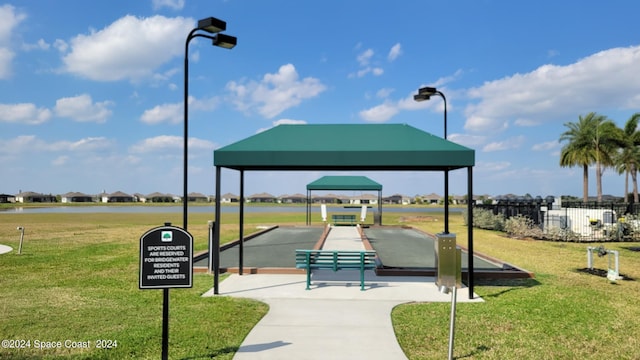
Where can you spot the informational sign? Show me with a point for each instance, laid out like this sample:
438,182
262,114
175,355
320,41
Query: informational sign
166,258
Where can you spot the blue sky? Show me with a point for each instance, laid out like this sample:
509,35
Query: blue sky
91,91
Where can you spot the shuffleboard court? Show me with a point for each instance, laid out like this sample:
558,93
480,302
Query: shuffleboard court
401,251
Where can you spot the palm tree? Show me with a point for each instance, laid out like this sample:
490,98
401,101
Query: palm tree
628,160
608,141
578,151
593,139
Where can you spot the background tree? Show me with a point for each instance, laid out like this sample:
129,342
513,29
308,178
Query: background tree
593,139
628,159
578,150
607,142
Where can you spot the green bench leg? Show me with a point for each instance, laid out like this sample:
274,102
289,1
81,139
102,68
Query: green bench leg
308,272
361,272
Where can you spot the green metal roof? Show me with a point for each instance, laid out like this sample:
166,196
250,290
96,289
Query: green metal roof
344,147
344,183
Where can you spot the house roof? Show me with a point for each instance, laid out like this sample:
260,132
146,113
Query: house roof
344,183
344,147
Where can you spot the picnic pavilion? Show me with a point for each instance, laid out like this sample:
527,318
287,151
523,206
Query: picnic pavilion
341,147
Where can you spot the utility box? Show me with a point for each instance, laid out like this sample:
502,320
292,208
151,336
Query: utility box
448,261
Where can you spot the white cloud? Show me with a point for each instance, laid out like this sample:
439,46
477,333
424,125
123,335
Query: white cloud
171,4
467,140
164,113
60,160
492,167
364,61
61,45
384,93
395,52
289,122
6,56
439,83
24,113
158,143
32,144
389,108
373,70
526,122
83,145
365,57
275,93
174,113
282,122
164,143
545,146
82,108
610,78
511,143
19,145
380,113
39,45
9,19
130,48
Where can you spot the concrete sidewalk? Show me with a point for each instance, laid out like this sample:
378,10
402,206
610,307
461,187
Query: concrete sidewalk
335,319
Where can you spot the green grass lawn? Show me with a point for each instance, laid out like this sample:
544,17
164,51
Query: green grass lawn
77,280
561,314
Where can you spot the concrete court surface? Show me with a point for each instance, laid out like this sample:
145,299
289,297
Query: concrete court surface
335,319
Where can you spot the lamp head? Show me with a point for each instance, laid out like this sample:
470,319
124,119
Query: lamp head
212,25
428,91
420,97
225,41
443,289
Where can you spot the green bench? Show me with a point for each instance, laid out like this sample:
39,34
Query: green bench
335,260
343,219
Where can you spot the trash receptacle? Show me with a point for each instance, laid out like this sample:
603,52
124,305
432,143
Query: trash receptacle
448,261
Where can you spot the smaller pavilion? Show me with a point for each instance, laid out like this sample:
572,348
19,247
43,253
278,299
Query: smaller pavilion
344,183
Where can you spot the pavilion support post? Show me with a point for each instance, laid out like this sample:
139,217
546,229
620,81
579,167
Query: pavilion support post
379,208
308,207
241,221
215,251
470,282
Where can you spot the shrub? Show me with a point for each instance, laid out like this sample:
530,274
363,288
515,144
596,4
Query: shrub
485,219
522,227
560,234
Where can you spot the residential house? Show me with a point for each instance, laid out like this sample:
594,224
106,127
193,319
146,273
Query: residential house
157,197
229,198
6,198
432,199
261,198
197,197
32,197
459,199
117,197
329,199
397,199
364,199
75,197
293,199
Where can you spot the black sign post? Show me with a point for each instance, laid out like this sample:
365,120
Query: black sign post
166,261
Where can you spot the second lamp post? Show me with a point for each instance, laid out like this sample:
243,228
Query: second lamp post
424,94
210,25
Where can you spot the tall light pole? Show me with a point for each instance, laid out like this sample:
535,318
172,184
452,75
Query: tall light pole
424,94
212,26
